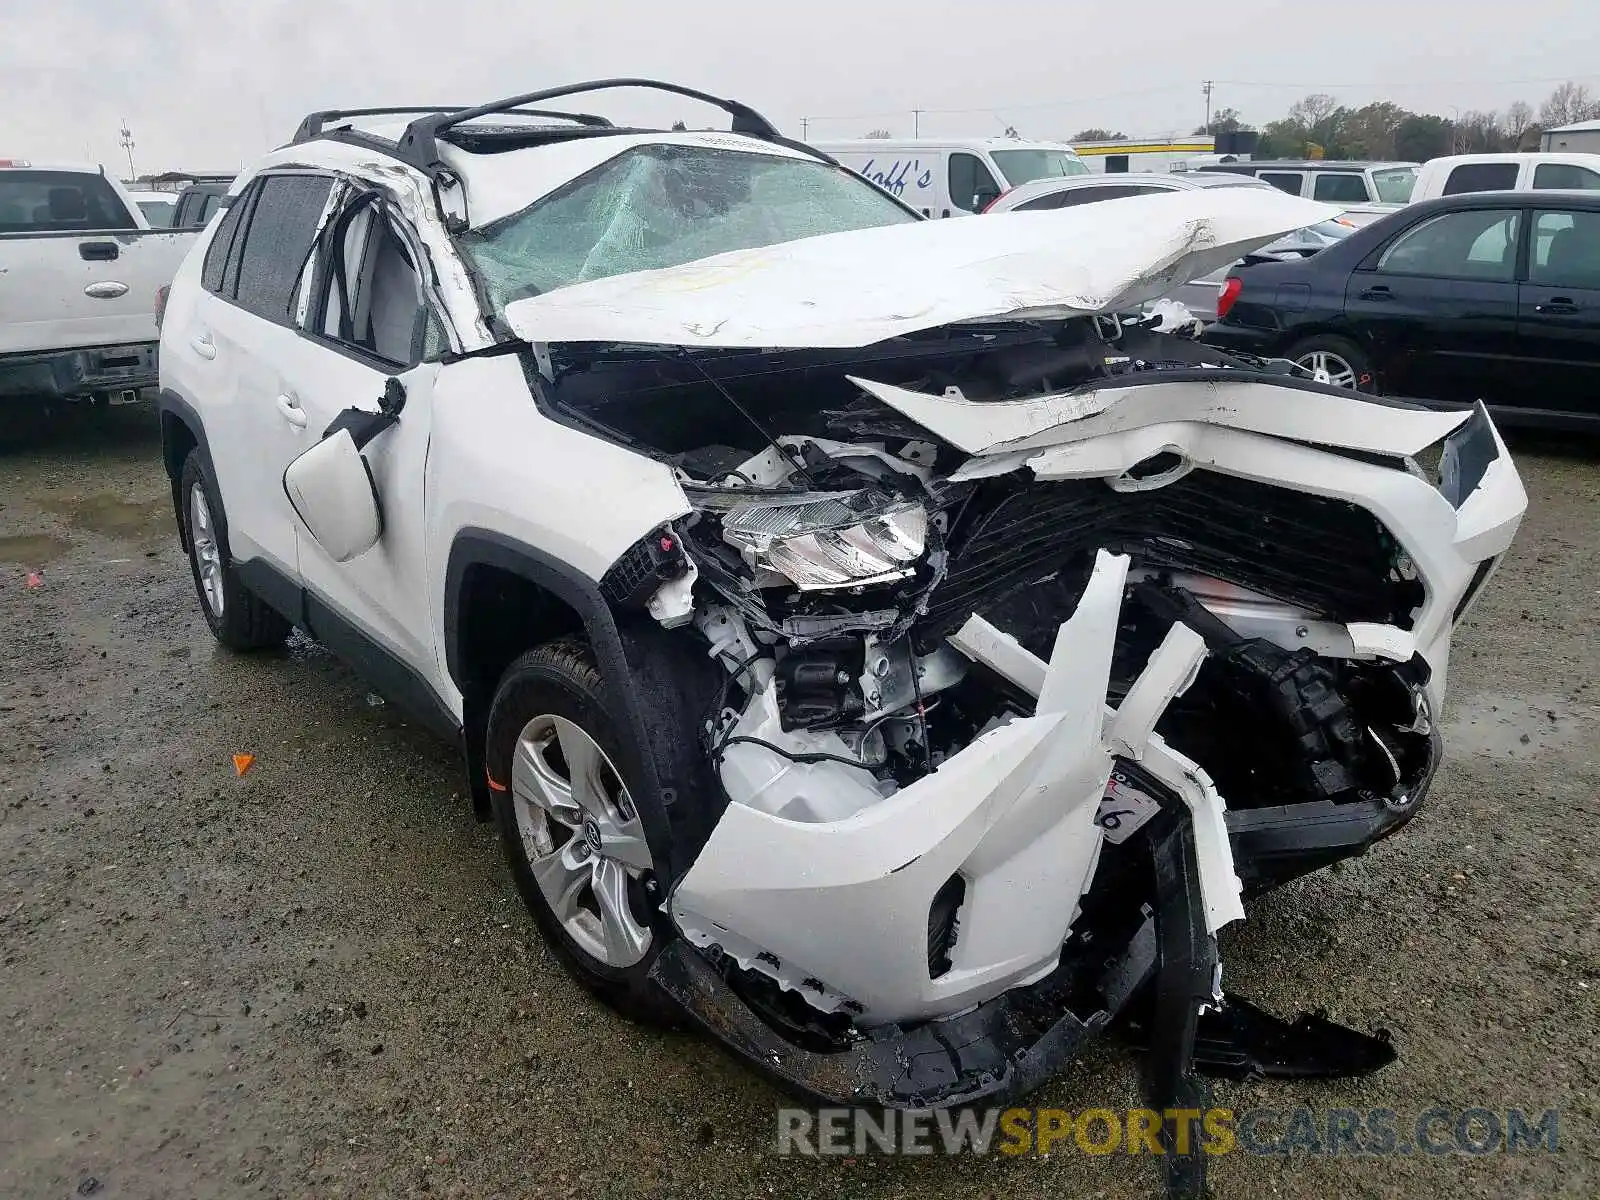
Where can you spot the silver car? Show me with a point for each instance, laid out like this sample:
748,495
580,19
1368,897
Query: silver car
1199,296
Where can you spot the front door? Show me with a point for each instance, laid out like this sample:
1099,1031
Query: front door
368,329
1437,306
1558,314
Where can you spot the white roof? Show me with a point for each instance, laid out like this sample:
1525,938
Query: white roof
1577,127
860,287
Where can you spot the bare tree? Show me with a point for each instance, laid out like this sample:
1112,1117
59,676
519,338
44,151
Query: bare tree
1515,123
679,127
1313,111
1479,132
879,134
1569,103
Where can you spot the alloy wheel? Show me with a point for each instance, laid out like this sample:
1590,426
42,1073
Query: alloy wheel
583,839
207,553
1327,367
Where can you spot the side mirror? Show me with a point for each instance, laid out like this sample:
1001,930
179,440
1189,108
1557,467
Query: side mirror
983,197
332,491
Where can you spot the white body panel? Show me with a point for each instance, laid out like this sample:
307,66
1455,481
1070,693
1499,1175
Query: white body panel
853,289
52,298
1435,175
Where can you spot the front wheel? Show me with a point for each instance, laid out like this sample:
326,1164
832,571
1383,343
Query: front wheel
1340,361
571,831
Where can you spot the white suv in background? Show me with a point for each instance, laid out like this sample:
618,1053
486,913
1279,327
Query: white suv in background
805,582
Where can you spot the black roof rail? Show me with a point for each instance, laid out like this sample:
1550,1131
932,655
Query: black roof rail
315,123
419,144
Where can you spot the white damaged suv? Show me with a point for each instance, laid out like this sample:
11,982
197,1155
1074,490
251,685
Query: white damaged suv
868,644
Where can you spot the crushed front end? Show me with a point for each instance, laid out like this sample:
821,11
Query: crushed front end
1035,656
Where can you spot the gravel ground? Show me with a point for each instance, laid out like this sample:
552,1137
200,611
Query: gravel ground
316,980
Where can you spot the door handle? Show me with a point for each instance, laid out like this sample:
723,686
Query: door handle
203,345
98,251
1557,306
106,289
1377,292
292,412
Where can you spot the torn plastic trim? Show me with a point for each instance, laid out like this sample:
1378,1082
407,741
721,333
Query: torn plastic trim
1254,405
1014,812
1130,732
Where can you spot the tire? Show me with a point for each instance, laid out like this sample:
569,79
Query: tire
609,928
238,618
1327,349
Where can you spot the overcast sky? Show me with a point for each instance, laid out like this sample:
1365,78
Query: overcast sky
210,86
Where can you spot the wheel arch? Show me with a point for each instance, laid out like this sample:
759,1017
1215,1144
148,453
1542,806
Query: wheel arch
501,597
181,433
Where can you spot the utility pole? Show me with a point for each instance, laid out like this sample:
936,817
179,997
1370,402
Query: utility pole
1205,88
126,142
916,122
805,127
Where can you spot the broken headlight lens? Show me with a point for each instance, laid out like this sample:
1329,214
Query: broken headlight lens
828,540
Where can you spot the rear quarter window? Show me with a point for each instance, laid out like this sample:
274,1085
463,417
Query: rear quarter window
1481,177
59,202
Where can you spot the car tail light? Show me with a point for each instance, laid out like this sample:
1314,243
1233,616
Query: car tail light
1231,287
161,303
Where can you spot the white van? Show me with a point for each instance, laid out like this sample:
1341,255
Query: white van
1547,171
946,178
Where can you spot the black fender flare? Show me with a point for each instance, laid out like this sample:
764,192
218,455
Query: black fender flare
629,654
169,404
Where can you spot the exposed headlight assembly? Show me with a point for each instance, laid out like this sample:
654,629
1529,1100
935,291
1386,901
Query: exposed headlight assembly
828,540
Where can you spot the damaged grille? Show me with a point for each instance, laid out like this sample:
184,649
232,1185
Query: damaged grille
1328,556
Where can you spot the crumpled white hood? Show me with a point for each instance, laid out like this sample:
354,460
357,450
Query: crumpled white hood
856,288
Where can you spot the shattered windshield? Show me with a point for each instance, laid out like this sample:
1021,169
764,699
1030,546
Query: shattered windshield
664,205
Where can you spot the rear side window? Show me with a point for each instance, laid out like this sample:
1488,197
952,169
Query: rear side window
1339,188
1481,177
277,242
59,202
1479,244
211,275
1284,181
1566,177
1566,250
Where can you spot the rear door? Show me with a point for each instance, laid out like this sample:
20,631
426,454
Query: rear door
241,333
1339,187
1292,182
1437,305
1558,313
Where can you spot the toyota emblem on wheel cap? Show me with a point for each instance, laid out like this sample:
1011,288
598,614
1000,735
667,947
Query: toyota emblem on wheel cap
591,835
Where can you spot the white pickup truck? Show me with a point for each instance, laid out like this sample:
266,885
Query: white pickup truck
80,269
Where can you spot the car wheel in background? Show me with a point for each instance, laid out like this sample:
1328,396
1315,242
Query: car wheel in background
1344,363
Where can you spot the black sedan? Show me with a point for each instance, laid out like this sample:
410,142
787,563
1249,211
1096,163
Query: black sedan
1492,296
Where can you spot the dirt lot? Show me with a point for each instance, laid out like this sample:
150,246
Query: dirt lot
315,980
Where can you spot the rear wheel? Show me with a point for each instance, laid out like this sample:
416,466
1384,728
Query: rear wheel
237,617
571,831
1342,362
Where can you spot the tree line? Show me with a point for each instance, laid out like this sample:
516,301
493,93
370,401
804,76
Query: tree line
1319,126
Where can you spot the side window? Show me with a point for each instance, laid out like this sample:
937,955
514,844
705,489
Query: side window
1114,191
1049,200
1566,250
970,179
1481,177
218,253
1566,177
277,240
1481,244
1284,181
1338,187
374,299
